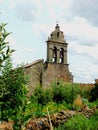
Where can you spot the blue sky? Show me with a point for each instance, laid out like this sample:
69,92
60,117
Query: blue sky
32,21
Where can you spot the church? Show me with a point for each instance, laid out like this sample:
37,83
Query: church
55,68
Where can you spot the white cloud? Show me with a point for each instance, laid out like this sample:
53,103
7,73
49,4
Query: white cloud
80,28
56,8
87,9
29,49
26,11
43,28
84,63
85,74
40,10
1,1
82,49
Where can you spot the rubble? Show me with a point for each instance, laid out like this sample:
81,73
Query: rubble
44,123
56,119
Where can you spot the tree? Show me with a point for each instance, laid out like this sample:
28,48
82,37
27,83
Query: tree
5,51
13,89
12,81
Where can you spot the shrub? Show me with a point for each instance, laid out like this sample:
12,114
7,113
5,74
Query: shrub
58,92
93,122
41,95
78,122
52,107
23,112
94,93
65,92
77,104
11,90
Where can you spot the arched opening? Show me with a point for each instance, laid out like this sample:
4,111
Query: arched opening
54,54
57,34
61,55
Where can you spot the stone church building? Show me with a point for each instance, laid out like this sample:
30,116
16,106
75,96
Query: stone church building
55,68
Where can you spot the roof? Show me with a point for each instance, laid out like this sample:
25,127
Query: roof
33,63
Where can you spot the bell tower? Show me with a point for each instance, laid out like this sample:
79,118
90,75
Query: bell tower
57,47
56,66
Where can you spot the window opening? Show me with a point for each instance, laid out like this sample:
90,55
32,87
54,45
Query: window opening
61,55
57,34
54,54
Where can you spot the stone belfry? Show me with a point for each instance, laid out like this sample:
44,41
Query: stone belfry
57,47
55,68
56,63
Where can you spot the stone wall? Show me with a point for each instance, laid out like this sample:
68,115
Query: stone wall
34,72
40,73
56,72
54,120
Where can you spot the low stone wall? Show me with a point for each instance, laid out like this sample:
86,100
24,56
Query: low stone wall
56,119
49,121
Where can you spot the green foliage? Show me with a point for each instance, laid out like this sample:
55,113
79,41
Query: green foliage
14,103
12,81
94,121
41,96
65,92
94,93
52,107
40,110
58,93
13,100
92,104
23,112
5,51
80,122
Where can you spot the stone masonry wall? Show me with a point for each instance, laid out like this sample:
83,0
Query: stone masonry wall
34,73
56,72
40,73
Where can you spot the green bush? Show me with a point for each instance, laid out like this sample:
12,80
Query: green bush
92,104
80,122
41,96
13,90
65,92
51,106
58,92
94,93
94,121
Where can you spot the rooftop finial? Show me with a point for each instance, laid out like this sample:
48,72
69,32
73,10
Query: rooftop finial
57,25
